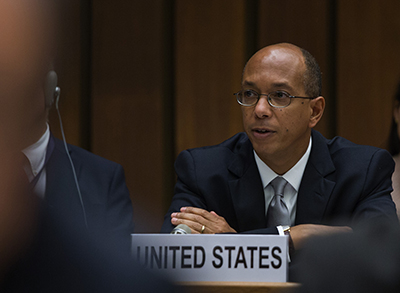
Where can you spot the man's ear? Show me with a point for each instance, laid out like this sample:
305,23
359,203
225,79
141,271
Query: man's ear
396,112
317,107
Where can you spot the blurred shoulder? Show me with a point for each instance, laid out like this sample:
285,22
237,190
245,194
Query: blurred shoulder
84,156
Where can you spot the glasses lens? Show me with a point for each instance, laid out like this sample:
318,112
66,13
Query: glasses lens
279,99
247,97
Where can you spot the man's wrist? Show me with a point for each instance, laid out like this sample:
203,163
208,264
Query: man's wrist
286,231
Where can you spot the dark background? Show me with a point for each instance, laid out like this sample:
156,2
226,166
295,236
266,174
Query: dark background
143,80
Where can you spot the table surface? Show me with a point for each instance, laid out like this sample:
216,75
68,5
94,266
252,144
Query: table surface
239,287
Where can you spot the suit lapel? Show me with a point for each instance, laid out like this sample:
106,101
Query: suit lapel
246,189
316,187
61,191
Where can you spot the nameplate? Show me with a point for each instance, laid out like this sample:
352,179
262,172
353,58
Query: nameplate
191,258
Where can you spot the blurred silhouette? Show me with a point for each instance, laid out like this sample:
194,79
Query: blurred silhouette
42,249
393,146
92,188
19,24
367,260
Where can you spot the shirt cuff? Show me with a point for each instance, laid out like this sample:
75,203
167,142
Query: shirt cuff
280,230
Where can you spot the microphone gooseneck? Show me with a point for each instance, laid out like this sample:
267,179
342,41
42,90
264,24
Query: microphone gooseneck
57,96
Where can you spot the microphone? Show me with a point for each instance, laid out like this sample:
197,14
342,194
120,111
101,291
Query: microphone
57,97
181,229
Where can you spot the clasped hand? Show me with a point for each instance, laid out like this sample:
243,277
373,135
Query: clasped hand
196,218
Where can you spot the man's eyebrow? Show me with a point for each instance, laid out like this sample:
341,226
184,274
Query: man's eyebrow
277,85
248,83
280,84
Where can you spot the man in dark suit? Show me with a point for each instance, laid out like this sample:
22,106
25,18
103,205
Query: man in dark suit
90,189
28,89
330,185
45,245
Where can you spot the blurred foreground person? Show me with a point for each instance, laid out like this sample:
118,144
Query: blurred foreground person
366,261
44,249
393,147
68,178
18,211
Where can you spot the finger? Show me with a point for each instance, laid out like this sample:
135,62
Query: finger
188,216
198,229
193,210
194,227
193,221
197,211
203,218
203,229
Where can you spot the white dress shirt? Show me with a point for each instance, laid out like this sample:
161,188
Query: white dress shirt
293,177
36,154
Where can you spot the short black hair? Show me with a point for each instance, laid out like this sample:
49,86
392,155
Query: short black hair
312,79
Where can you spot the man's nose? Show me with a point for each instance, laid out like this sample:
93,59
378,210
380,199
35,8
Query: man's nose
263,108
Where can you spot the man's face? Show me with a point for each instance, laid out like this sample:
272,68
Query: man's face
24,53
280,136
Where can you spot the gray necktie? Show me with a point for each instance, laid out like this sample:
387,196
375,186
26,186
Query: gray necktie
278,213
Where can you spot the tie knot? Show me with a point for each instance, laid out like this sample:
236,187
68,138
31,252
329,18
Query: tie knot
279,184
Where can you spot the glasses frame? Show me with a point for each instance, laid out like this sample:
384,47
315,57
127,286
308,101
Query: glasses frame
269,99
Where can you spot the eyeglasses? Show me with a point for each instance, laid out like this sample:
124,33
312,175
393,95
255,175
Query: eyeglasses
277,99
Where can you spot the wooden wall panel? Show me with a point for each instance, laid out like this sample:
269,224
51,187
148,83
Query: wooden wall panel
368,68
307,24
209,58
143,80
68,65
128,110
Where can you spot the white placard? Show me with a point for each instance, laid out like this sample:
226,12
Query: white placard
227,257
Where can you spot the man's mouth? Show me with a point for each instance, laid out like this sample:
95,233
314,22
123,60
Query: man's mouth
262,130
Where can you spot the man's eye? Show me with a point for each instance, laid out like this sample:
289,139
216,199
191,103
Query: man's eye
250,94
280,95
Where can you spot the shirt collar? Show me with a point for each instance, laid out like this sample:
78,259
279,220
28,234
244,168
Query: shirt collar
36,153
293,176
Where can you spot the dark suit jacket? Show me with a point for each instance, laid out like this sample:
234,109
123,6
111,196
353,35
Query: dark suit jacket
343,183
105,195
63,257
